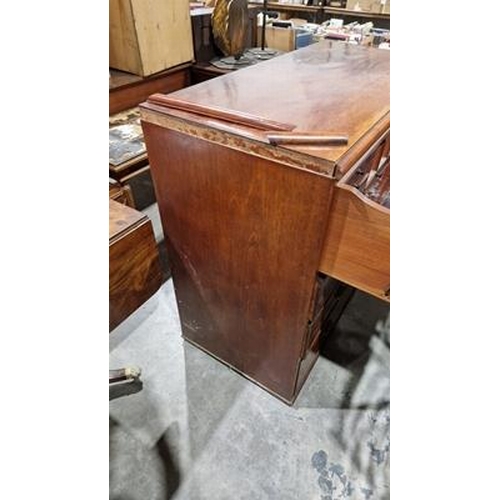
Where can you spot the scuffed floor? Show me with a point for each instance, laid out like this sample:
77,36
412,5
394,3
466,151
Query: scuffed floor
195,430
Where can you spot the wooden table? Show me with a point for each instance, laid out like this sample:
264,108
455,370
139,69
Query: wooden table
134,266
261,231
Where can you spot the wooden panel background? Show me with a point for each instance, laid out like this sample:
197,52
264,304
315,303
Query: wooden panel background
124,50
148,36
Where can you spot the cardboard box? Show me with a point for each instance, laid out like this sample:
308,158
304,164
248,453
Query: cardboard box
278,38
149,37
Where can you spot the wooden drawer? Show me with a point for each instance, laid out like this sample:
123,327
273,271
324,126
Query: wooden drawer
134,266
357,243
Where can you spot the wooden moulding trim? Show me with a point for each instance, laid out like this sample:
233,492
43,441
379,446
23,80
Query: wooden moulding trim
383,294
233,137
218,113
311,138
131,228
358,150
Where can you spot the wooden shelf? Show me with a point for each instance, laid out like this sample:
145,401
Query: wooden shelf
356,13
311,12
322,13
290,6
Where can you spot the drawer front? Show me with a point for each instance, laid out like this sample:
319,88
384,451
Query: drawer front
357,243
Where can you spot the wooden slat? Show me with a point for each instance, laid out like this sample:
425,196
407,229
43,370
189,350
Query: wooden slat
219,113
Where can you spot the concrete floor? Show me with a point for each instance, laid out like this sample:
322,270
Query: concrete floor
196,430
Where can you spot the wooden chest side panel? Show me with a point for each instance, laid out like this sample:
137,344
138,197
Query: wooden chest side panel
244,236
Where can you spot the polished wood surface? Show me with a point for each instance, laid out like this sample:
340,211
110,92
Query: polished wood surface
339,88
134,267
251,226
235,278
205,111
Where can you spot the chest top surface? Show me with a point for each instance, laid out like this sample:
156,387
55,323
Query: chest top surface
328,86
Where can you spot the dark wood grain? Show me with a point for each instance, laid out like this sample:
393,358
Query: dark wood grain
134,267
243,286
250,226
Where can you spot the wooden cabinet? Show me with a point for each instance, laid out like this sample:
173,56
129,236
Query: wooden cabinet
149,37
250,223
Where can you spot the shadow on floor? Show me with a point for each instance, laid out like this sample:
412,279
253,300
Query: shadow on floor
361,344
350,345
142,470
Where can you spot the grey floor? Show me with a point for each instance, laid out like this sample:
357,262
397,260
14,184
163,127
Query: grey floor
196,430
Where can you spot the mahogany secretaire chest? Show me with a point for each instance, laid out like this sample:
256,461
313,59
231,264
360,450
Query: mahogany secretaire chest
271,181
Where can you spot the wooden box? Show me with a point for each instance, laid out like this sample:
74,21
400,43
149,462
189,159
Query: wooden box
146,37
278,38
252,226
